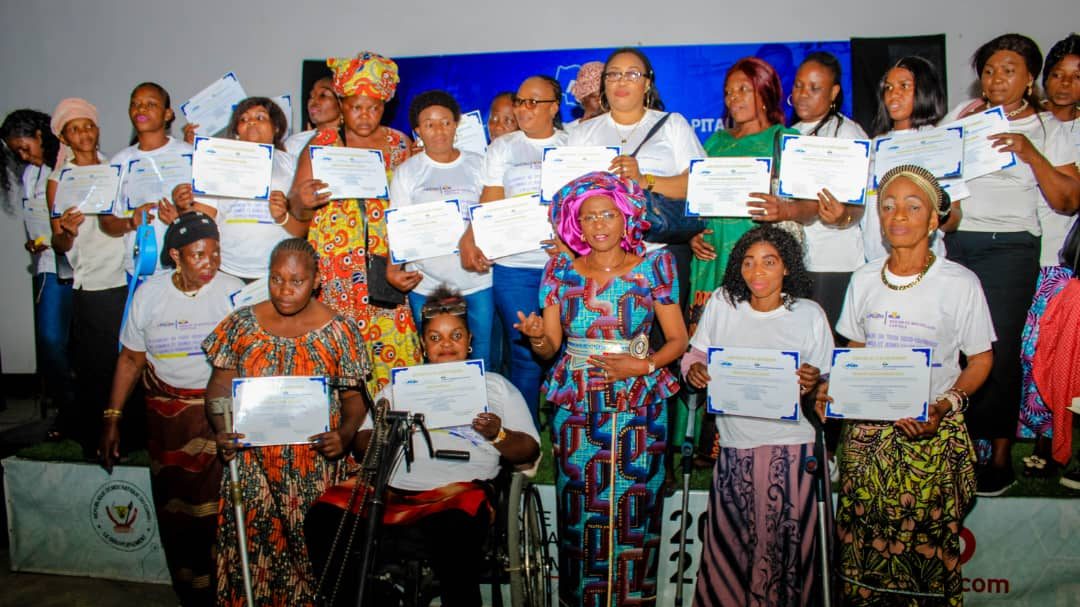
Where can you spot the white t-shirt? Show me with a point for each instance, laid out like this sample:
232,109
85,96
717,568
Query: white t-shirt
804,328
122,158
874,244
504,400
97,259
946,311
512,162
34,181
1008,200
1055,226
169,326
248,231
294,144
829,248
421,179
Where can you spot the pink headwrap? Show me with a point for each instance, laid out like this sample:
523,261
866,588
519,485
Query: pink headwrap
587,81
67,110
627,196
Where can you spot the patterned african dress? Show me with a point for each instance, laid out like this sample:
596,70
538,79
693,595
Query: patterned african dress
899,513
279,482
608,441
706,276
1035,417
337,233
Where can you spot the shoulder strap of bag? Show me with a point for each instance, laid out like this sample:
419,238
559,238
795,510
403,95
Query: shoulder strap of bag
652,131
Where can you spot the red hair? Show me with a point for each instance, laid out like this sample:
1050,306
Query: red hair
766,84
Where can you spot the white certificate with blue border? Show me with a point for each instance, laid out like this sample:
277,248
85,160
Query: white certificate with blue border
252,293
470,135
151,178
939,150
90,189
280,410
448,394
509,226
285,103
980,155
721,187
425,230
565,163
231,168
753,382
880,384
212,107
350,172
810,164
36,218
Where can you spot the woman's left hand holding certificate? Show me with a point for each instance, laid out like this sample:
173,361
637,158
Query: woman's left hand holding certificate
350,172
232,169
91,190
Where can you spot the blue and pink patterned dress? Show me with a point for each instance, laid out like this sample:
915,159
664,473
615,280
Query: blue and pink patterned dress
608,441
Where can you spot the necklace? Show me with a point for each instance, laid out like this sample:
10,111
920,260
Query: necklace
623,138
589,260
176,283
1023,106
884,280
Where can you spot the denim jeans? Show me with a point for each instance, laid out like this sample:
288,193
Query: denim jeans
480,313
518,289
52,325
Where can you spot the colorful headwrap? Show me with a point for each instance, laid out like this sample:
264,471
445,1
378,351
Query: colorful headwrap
189,227
924,180
587,81
627,196
67,110
369,74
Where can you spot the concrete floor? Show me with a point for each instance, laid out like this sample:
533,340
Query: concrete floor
26,589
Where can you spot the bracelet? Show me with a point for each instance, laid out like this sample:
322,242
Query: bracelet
847,220
283,221
537,343
111,413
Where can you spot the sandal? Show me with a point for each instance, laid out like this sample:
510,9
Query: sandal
1038,467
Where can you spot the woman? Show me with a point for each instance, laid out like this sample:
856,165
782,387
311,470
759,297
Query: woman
324,112
760,483
608,388
998,237
250,229
151,114
447,500
905,486
911,97
586,91
1061,79
291,334
30,135
346,232
833,239
512,168
501,119
170,316
443,172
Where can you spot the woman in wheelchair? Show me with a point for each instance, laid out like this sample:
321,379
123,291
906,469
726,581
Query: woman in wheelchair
446,500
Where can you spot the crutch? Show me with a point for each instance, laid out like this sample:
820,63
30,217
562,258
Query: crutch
687,452
238,508
818,465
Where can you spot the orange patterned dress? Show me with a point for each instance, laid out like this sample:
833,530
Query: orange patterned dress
337,233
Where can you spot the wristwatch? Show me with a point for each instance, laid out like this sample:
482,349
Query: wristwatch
650,181
500,437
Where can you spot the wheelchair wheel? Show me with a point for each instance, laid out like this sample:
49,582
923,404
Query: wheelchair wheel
530,564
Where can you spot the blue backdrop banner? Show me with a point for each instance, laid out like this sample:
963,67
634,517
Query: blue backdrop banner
690,78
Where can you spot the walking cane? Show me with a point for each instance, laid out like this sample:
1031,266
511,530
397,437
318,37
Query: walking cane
687,452
237,498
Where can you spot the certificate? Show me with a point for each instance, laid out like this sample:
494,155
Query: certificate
470,135
883,384
212,107
421,231
563,164
448,394
36,217
285,103
350,172
956,188
231,168
940,151
252,293
513,225
90,189
980,156
721,187
811,164
280,410
754,382
151,178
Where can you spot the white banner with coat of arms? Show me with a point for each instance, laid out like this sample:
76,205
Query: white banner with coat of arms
76,519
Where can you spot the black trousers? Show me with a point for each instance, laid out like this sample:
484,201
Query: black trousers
1007,264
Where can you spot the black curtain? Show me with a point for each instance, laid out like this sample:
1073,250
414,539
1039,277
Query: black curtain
872,57
316,69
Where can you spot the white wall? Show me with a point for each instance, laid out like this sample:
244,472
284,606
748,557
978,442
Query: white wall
99,49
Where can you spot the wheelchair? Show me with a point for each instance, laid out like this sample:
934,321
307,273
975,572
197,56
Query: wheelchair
515,552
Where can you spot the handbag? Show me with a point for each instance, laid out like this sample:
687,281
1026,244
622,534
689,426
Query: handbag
668,222
381,293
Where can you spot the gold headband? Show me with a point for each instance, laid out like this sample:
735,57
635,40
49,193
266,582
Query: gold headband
923,179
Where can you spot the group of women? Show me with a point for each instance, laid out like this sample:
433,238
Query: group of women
601,321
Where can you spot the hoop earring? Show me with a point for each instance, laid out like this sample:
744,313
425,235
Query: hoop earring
470,349
790,104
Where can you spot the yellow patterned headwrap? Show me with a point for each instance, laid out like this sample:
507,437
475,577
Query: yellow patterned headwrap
369,74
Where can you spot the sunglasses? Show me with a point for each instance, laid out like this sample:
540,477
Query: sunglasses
529,103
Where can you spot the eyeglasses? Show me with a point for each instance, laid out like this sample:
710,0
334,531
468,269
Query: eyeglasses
629,76
455,308
605,216
530,103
